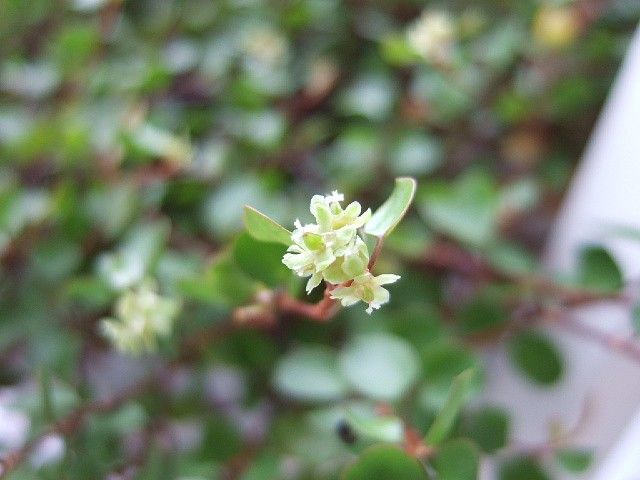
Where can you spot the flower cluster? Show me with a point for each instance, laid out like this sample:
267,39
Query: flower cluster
331,250
432,36
142,315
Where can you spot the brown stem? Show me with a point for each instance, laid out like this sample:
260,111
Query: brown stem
376,253
622,345
320,312
556,441
448,256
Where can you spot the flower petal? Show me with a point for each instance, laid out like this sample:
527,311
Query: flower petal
386,278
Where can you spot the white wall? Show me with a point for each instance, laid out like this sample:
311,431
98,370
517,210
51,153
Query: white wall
605,192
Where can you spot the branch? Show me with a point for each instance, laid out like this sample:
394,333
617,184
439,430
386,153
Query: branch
376,253
448,256
623,345
322,311
69,424
558,438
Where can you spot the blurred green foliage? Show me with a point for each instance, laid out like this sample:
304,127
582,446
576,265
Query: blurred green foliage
132,133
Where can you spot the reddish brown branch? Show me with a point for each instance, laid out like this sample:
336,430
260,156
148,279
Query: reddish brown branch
448,256
376,253
322,311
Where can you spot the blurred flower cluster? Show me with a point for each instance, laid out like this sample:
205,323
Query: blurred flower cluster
142,316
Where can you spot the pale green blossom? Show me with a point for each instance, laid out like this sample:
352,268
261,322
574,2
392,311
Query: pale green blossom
331,216
265,45
141,317
432,36
366,288
331,250
319,250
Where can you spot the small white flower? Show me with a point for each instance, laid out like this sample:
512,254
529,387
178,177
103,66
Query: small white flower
265,45
142,315
366,288
319,250
331,216
351,264
334,197
432,35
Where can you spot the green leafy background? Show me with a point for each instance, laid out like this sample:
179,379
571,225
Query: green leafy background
132,133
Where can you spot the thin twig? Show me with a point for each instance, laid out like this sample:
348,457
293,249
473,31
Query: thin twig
72,422
322,311
623,345
376,253
558,439
448,256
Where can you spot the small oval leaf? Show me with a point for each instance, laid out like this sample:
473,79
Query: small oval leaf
599,270
574,460
380,366
489,428
457,460
380,428
384,462
261,262
264,228
309,374
385,219
521,468
536,357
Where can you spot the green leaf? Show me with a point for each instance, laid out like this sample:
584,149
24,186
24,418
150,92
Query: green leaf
536,357
484,313
457,460
264,228
415,153
575,461
511,259
385,219
489,428
380,365
635,319
467,210
371,95
446,418
522,468
309,374
380,428
395,49
262,262
383,462
264,467
599,271
442,362
221,439
410,239
222,283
